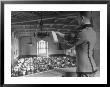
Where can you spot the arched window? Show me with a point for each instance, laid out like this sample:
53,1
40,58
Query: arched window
42,48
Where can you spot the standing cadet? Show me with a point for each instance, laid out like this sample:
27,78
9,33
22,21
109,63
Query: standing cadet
86,66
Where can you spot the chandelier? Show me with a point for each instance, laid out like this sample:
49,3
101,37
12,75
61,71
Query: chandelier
41,33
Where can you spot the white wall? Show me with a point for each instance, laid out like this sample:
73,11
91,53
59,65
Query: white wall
25,49
14,48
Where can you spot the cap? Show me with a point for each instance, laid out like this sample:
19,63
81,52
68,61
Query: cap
85,20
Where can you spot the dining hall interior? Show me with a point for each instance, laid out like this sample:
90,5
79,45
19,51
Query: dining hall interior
43,43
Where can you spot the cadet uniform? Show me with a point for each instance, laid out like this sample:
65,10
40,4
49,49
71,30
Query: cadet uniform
84,50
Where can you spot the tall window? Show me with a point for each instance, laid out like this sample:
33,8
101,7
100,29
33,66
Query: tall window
42,48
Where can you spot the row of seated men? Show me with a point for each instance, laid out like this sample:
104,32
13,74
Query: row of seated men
34,64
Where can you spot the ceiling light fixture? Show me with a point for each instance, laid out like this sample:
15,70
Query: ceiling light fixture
42,34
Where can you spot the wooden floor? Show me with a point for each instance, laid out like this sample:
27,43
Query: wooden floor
57,73
52,73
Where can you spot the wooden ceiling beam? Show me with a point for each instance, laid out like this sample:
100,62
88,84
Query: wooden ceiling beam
58,18
35,26
46,29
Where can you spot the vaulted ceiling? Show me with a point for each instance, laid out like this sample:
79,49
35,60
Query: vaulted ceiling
30,21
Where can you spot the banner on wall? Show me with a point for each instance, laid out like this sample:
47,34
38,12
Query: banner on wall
54,36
